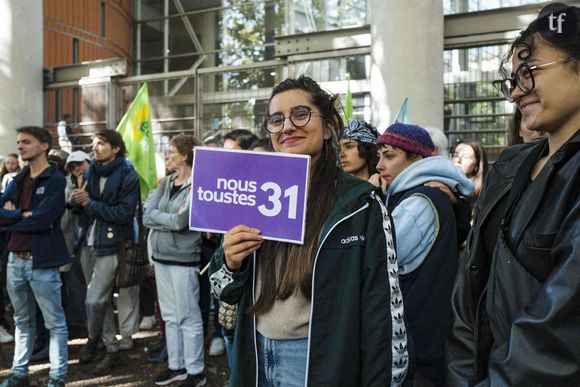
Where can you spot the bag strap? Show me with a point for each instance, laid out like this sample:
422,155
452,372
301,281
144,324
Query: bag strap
140,231
141,236
77,246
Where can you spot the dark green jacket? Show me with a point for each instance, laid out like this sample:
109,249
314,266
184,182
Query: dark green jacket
356,332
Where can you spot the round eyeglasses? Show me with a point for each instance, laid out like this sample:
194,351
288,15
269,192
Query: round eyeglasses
523,79
299,117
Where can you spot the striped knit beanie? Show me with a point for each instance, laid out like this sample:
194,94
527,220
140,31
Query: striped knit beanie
411,138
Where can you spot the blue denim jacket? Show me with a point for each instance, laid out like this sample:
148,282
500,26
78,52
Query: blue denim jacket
113,219
47,205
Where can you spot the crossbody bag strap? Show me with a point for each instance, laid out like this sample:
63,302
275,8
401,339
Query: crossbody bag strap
141,236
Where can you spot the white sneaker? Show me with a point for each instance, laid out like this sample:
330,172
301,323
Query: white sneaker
147,322
126,344
217,346
5,336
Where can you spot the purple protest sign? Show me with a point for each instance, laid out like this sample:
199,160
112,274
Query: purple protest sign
259,189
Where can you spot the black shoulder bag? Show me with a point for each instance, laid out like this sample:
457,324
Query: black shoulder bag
132,257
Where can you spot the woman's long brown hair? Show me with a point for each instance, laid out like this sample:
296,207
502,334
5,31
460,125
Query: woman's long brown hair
295,269
4,170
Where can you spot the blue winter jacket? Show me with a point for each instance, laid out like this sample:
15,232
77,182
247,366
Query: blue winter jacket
47,206
113,217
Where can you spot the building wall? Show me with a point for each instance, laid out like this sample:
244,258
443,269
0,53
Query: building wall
102,28
77,31
20,68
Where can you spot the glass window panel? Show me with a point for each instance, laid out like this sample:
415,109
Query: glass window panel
474,108
152,40
219,119
304,16
152,8
461,6
243,80
336,69
236,32
151,66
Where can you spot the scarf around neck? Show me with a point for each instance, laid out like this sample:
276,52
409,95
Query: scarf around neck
98,170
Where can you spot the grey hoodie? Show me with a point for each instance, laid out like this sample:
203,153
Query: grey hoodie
434,168
170,238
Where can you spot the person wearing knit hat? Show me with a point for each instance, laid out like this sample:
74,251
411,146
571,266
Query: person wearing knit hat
411,138
358,154
425,240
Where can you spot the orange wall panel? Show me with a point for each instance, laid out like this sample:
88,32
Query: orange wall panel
65,20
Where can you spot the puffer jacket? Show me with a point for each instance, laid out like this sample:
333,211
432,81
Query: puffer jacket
356,332
517,311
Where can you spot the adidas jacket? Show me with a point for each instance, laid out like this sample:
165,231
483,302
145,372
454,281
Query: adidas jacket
356,334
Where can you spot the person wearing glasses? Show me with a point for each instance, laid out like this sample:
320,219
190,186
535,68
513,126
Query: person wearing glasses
328,312
176,255
517,299
470,156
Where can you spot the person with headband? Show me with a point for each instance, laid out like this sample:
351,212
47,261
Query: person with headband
358,154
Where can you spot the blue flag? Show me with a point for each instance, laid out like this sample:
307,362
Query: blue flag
403,115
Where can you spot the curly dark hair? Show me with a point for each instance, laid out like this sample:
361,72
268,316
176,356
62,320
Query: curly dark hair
528,39
368,152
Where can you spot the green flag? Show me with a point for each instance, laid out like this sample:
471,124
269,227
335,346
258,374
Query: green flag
348,102
135,127
403,115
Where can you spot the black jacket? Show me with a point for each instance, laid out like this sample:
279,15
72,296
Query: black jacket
355,337
427,289
517,311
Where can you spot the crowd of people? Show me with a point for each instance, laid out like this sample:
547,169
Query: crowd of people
421,264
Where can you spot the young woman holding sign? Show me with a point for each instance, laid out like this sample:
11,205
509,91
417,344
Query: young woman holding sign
329,312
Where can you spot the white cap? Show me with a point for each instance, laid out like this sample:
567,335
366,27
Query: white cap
77,157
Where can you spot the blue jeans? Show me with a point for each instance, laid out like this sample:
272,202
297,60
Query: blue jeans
228,336
26,285
281,362
178,294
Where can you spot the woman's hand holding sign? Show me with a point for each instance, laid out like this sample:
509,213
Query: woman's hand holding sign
239,242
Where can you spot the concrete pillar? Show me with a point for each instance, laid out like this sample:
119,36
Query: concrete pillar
407,60
21,38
